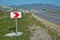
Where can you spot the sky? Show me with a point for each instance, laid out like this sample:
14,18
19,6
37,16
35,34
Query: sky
21,2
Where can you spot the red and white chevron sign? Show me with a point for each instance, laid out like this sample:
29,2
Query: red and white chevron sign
15,14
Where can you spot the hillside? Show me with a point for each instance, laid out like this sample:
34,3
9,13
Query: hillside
23,26
28,25
38,7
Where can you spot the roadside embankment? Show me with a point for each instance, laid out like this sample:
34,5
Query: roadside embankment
53,29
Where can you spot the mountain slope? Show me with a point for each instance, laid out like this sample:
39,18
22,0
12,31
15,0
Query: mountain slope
38,7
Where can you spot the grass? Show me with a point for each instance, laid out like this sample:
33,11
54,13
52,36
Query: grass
23,26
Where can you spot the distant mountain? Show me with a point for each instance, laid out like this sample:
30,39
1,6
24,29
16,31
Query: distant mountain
38,7
5,8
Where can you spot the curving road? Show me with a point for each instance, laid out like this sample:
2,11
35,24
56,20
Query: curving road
50,17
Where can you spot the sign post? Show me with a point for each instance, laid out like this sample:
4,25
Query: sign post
15,15
16,27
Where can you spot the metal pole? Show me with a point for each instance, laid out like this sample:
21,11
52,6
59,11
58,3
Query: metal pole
16,26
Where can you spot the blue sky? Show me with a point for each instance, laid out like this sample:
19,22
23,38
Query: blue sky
20,2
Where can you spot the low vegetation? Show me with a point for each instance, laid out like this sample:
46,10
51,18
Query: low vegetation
7,23
23,26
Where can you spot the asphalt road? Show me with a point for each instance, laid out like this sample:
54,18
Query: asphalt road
53,18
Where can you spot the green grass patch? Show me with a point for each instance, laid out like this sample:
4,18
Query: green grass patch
23,26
